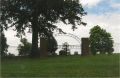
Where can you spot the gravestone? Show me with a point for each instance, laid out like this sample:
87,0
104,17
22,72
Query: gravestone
43,47
85,47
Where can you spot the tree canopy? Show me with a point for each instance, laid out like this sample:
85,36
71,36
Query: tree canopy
40,15
21,13
100,41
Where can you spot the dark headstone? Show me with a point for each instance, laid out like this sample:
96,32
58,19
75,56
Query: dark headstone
43,47
85,47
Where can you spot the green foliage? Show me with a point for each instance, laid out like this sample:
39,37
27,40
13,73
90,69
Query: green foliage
3,45
100,41
24,48
100,66
19,13
62,52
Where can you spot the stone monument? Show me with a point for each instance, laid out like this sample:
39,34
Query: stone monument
43,47
85,47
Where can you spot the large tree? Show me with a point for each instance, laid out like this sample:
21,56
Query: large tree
100,41
39,15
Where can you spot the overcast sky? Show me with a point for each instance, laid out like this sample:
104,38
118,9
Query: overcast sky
105,13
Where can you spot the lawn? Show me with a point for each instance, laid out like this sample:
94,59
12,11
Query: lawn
62,66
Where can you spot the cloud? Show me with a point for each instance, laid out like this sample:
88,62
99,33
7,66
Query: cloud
12,40
115,5
109,21
101,6
90,2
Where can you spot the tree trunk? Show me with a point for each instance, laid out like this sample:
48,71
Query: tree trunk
34,49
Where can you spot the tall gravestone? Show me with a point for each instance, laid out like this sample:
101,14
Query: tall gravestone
85,47
43,47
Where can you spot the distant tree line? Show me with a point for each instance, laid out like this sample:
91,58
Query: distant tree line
100,42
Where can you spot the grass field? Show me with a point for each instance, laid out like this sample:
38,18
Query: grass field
62,66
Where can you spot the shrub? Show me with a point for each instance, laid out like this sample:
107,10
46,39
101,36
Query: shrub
62,52
10,55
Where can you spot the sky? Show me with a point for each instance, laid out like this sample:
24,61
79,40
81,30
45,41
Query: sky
105,13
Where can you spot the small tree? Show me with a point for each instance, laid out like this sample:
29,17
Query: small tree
100,41
65,49
24,48
3,45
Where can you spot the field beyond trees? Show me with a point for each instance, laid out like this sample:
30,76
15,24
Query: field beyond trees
62,66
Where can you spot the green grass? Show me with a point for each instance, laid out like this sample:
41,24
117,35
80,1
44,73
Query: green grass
62,66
